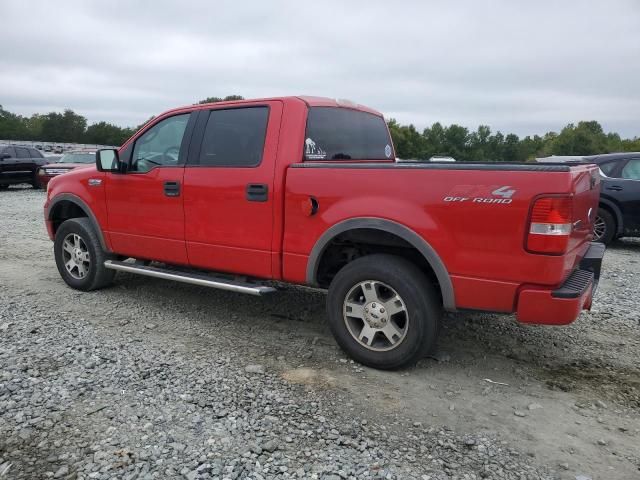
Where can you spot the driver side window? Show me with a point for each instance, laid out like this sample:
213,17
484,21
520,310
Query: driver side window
160,145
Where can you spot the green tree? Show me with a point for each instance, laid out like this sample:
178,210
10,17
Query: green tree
586,138
228,98
12,126
103,133
512,152
63,127
456,142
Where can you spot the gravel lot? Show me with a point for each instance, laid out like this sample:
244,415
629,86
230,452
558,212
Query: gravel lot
152,379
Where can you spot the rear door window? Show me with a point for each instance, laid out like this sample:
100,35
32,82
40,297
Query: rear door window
22,152
234,137
631,170
345,134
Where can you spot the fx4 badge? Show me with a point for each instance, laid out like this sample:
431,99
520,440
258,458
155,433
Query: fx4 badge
481,194
503,192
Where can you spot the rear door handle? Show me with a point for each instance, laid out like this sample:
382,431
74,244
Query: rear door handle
172,189
615,188
257,192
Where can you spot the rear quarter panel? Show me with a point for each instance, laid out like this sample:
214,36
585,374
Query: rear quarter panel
481,244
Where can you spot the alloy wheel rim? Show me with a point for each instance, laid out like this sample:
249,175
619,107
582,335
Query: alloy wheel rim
599,228
375,315
75,255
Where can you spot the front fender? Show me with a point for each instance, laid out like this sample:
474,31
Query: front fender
53,210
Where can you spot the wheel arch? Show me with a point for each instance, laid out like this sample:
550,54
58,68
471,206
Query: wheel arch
615,211
66,206
418,243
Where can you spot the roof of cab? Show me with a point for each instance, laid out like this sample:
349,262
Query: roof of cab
311,101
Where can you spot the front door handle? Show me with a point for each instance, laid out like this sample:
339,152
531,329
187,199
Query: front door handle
615,188
172,189
257,192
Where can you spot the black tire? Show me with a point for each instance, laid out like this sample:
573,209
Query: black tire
96,276
421,302
35,183
609,223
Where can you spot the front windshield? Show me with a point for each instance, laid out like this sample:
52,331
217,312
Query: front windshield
78,158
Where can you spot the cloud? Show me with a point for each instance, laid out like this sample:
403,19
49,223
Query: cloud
524,68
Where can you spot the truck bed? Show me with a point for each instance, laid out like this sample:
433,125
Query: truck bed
481,243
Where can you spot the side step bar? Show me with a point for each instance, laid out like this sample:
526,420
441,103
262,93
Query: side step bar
193,278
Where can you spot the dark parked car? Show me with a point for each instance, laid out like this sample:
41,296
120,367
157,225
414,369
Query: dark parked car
619,209
20,165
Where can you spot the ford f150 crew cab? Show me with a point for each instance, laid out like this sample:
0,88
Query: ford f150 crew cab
306,190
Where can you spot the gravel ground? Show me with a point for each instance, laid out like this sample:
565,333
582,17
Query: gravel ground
152,379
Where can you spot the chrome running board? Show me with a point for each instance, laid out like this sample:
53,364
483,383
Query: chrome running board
192,278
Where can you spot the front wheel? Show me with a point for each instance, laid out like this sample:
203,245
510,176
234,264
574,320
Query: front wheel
383,311
79,256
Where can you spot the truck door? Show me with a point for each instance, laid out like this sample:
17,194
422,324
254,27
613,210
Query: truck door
228,188
13,168
145,204
23,166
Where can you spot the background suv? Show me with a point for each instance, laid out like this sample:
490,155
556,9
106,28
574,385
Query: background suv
19,164
619,208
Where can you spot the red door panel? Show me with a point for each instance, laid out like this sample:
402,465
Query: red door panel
143,221
224,230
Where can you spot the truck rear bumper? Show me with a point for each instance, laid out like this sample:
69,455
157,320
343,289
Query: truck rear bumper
563,305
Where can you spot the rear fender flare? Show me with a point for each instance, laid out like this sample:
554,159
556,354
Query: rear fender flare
419,243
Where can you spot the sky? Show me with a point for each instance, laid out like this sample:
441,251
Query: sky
521,67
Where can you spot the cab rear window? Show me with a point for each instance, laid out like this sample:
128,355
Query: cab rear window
345,134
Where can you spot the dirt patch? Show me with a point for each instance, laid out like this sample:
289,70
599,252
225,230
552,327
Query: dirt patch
309,377
620,386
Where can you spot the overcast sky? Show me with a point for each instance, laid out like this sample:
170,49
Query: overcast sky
518,67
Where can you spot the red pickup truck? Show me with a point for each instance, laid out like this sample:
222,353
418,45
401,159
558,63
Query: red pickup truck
307,190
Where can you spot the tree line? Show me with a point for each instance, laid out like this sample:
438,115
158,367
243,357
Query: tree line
583,138
481,145
66,127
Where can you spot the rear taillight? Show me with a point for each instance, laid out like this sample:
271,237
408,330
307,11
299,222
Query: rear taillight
550,225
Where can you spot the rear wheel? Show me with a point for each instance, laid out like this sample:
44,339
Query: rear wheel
604,227
383,311
79,256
